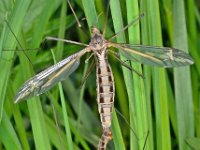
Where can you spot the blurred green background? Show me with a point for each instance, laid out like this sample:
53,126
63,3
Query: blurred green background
160,112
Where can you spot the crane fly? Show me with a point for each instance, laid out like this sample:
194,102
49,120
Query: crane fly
99,47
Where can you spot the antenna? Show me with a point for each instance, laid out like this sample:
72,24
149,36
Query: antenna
18,41
127,26
78,22
105,24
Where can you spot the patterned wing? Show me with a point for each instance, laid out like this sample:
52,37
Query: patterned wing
155,56
46,79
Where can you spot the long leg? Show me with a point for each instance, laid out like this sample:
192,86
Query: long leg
126,65
89,71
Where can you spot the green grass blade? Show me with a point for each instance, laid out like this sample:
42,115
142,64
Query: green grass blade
193,143
183,89
53,134
59,54
90,12
164,106
61,33
139,104
159,80
118,140
193,49
145,33
15,20
20,127
65,115
66,120
8,136
118,25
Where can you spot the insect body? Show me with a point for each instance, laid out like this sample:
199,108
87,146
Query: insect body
105,86
150,55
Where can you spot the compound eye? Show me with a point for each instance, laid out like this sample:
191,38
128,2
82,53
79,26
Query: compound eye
98,42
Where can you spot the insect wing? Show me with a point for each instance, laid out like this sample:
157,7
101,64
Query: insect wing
155,56
46,79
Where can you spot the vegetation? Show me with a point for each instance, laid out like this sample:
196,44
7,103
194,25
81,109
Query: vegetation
160,112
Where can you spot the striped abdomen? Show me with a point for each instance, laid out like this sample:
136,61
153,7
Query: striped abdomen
105,92
105,99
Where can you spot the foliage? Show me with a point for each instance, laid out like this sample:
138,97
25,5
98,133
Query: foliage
161,111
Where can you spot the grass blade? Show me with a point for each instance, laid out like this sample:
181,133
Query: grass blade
159,79
118,25
168,114
7,134
138,104
15,21
183,89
